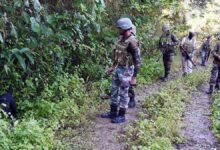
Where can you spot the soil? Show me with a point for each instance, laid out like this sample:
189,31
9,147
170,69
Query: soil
109,136
196,122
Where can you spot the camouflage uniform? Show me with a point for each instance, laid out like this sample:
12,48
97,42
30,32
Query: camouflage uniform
189,46
205,50
215,73
126,61
125,56
166,44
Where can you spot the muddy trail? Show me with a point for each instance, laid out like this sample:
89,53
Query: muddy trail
196,129
196,123
111,136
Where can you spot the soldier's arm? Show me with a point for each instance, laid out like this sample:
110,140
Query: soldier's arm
202,47
135,51
215,50
160,43
175,40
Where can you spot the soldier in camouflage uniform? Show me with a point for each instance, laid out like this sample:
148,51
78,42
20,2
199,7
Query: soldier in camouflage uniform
126,63
215,73
188,45
205,50
167,43
131,93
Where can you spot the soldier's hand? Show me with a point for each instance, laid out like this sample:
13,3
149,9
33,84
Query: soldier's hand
133,81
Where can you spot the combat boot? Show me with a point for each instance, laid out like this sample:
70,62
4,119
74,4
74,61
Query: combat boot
165,78
217,87
131,103
211,89
121,116
112,114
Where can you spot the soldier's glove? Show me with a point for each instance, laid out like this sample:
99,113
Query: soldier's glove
133,81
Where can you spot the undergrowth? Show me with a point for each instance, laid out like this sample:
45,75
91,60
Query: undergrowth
160,122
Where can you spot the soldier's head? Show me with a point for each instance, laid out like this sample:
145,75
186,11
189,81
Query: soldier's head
209,37
125,26
191,34
166,28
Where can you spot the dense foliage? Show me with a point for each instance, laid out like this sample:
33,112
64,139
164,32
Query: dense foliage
54,53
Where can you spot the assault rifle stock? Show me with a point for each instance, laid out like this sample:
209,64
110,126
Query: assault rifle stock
184,52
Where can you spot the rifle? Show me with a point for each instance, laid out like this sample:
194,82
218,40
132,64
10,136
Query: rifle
207,59
160,56
187,56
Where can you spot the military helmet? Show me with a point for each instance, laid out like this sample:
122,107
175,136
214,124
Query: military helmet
124,23
208,36
165,28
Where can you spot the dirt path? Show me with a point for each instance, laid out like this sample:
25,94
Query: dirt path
110,136
197,124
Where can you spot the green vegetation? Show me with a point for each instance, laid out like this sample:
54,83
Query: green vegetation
160,122
215,115
55,53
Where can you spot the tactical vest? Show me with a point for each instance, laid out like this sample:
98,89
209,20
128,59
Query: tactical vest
217,51
207,46
121,55
166,40
189,45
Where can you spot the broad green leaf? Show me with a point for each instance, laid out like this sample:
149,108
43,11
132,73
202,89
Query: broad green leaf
1,38
23,50
26,17
50,19
37,6
35,26
30,57
13,32
7,69
21,61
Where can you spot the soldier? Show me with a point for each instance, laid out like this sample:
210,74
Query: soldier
131,93
188,49
205,50
167,43
126,63
215,73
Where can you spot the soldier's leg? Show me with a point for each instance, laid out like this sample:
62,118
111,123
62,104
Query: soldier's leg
203,58
164,65
206,58
169,64
213,78
184,64
123,98
131,94
114,98
218,80
189,66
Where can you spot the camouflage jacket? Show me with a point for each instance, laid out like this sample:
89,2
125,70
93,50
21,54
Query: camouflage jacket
216,53
206,46
167,43
127,52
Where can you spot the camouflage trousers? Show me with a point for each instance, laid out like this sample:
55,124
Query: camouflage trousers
167,62
187,66
215,75
204,56
120,85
